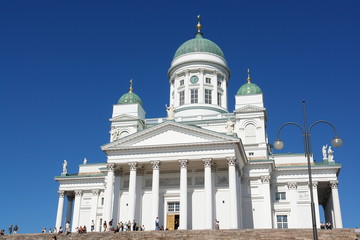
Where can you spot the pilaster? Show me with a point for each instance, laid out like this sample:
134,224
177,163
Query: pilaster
60,209
234,224
183,194
208,193
336,204
155,191
77,204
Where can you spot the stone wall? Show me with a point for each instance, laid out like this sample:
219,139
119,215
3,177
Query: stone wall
243,234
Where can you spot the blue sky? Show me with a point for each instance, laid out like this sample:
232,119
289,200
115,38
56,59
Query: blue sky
63,64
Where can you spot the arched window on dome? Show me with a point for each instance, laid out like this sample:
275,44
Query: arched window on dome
250,134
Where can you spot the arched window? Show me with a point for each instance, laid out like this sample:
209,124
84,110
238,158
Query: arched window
123,134
250,134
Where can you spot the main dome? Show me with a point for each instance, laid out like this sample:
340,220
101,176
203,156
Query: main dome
199,44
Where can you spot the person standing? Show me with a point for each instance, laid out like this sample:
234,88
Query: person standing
10,229
16,228
67,228
92,225
157,226
105,226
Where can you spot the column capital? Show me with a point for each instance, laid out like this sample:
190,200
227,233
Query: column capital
183,163
207,162
110,166
133,166
61,193
78,193
231,161
95,192
265,179
334,184
155,164
292,185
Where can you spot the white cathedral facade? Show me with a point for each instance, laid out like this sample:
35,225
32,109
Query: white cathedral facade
200,164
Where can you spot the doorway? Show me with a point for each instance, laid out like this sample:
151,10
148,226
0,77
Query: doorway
172,222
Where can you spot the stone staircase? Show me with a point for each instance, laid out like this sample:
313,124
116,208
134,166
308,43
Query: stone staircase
245,234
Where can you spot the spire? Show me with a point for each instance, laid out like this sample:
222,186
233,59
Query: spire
248,78
131,88
198,26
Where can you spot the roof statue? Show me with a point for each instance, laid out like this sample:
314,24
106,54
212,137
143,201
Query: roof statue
64,171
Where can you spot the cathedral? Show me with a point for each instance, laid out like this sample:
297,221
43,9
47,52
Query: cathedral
201,167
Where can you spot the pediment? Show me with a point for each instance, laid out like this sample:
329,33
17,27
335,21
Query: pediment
169,134
124,118
249,109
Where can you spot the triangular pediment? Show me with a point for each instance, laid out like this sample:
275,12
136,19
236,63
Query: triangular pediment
249,109
124,117
168,134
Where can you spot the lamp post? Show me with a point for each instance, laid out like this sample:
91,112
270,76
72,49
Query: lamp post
336,142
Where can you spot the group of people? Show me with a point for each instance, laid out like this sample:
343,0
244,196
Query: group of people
326,225
12,230
123,226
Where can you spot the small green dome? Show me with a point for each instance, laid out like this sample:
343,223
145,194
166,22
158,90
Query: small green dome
199,44
249,89
129,98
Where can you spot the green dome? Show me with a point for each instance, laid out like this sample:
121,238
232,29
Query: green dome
199,44
249,89
129,98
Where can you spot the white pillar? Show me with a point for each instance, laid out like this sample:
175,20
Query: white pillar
292,198
267,213
208,193
116,200
94,203
155,192
337,220
233,193
109,192
132,190
316,203
69,211
60,209
183,194
76,215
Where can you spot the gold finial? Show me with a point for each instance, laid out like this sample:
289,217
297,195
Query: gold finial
248,79
198,26
131,83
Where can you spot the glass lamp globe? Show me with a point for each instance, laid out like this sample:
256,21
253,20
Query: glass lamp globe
278,144
336,142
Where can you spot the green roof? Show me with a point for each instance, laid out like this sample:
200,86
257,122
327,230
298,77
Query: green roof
129,98
249,89
199,44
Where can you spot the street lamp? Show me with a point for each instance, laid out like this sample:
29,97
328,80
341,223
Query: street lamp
336,142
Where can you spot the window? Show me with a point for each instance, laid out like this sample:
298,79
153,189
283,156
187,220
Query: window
207,80
208,96
251,153
282,221
181,98
182,82
219,99
280,196
173,206
250,134
194,95
102,201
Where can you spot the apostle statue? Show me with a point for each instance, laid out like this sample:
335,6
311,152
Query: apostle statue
324,152
170,111
330,154
64,171
85,161
114,134
229,127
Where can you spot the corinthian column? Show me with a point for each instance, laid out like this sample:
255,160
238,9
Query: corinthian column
132,189
155,191
208,193
336,204
94,203
233,193
183,194
60,209
77,204
109,192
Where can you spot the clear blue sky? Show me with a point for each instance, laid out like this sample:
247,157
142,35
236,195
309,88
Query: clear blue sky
63,64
